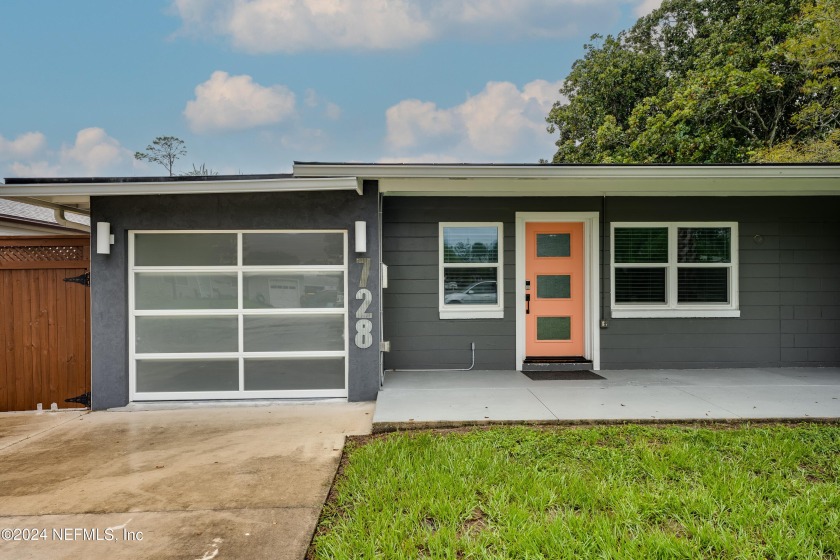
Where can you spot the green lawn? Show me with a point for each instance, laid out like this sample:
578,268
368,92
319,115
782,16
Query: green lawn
599,492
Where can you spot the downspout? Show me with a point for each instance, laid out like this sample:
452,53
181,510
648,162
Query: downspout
604,291
381,289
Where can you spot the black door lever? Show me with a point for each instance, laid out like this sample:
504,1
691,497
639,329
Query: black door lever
527,304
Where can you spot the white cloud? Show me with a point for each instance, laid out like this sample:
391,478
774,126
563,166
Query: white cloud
93,152
423,158
332,111
35,169
24,146
226,102
312,100
646,6
500,123
263,26
411,120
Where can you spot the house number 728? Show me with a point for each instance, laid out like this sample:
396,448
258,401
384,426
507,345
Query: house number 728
364,326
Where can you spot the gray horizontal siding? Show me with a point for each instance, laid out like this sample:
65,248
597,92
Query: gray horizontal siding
789,287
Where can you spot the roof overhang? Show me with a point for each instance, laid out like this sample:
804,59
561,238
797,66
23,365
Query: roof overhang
588,180
77,194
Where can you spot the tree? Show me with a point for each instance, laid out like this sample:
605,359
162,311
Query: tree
703,81
816,47
202,171
164,150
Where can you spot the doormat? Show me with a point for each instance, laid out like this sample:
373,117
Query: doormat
561,375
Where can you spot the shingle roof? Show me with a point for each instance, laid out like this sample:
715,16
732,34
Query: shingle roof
21,210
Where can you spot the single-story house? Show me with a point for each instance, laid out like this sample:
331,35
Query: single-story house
311,284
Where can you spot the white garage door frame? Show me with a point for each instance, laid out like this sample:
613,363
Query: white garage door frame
240,312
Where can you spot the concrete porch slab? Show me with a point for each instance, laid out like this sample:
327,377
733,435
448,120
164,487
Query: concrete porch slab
412,399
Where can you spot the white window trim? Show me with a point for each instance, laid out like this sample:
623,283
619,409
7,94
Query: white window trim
482,311
672,308
239,269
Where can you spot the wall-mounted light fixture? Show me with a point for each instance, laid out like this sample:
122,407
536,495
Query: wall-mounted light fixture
104,238
361,237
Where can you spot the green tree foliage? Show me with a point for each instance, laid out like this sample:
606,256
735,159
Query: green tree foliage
202,171
164,150
706,81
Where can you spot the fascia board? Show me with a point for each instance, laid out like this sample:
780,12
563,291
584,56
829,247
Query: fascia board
408,171
182,187
617,186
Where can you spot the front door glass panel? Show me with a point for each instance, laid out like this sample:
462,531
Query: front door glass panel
558,286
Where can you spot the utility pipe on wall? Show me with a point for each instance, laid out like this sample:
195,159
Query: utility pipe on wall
472,365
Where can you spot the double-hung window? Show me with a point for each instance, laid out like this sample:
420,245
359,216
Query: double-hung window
674,269
470,282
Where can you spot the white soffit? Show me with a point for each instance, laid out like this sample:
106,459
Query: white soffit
78,194
539,180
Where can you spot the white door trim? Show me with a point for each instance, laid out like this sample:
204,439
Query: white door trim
591,240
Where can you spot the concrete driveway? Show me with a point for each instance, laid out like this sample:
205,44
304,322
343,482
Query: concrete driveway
198,483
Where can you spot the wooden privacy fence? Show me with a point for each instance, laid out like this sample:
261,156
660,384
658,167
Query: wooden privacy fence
44,321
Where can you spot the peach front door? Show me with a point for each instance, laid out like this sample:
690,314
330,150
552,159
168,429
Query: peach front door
554,289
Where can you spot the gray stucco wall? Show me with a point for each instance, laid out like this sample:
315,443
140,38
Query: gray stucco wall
789,287
311,210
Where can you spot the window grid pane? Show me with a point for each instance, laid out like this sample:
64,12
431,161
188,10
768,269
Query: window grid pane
641,244
640,285
704,245
703,285
470,245
470,286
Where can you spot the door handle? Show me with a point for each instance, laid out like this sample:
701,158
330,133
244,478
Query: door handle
527,304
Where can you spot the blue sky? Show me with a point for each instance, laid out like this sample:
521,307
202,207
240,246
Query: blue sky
252,85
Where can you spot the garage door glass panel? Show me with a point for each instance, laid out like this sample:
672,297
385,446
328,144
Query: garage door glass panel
294,374
290,291
292,249
185,249
185,290
166,335
294,333
165,376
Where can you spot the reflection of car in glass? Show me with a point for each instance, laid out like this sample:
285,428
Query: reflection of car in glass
480,292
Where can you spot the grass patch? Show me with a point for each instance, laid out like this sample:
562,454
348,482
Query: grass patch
600,492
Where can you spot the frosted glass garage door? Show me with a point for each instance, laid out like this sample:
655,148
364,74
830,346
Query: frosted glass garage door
245,314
